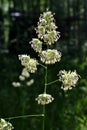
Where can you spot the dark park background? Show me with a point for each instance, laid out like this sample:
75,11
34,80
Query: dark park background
18,19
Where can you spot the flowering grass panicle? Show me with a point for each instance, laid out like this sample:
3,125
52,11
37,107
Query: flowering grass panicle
44,99
69,79
50,56
4,125
47,34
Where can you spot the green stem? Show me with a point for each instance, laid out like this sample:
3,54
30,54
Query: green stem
45,81
25,116
52,82
43,125
42,65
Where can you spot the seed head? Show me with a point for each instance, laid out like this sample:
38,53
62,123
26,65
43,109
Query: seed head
69,79
36,44
32,65
50,56
29,63
44,99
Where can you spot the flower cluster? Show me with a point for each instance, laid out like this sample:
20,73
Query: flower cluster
16,84
32,65
24,75
50,56
4,125
44,99
46,29
36,44
69,79
29,63
29,83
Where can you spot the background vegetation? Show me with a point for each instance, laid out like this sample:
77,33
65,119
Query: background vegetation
17,21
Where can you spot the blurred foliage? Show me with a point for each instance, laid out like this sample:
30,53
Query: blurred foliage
17,21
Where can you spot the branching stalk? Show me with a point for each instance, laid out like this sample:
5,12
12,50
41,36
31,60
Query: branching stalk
52,82
42,65
25,116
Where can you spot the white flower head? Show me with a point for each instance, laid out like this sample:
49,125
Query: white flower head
46,29
44,99
16,84
69,79
32,65
4,125
50,56
48,16
29,63
24,59
51,37
40,31
36,44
